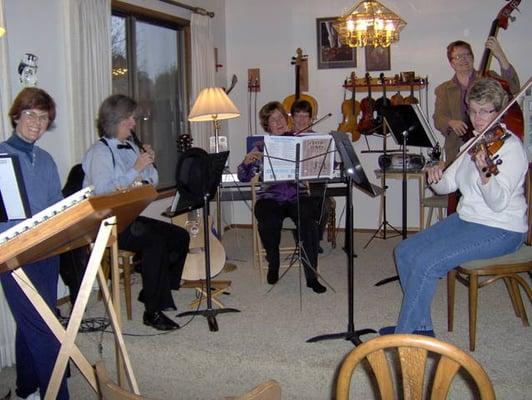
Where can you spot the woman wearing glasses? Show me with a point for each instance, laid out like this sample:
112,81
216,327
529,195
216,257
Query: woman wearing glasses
31,114
450,109
490,220
279,201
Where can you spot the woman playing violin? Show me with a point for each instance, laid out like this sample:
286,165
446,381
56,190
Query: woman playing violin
490,220
450,108
279,201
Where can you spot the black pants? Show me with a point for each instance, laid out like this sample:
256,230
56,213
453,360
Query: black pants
163,248
270,215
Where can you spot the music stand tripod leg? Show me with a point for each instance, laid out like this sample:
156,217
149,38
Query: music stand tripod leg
209,313
350,334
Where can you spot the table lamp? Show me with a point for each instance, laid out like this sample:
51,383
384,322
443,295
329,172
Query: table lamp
213,104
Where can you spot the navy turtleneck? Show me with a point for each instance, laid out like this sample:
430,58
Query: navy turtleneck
21,145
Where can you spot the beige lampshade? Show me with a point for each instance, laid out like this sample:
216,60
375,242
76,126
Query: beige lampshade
212,104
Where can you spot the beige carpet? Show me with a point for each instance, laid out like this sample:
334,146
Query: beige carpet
267,339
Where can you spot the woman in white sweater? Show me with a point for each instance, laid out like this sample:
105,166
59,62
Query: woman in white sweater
490,220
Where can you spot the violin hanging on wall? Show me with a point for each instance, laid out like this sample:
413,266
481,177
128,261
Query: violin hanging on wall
366,125
298,61
350,112
380,105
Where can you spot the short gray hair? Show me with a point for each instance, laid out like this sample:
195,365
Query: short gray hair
114,110
488,90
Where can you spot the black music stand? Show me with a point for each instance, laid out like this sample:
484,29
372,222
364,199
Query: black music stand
354,175
300,257
198,176
409,127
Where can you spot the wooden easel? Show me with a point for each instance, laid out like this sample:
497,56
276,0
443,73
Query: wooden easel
74,227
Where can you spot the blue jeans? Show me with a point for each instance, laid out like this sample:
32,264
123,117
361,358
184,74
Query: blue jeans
427,256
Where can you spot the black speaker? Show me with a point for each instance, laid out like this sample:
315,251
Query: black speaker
394,162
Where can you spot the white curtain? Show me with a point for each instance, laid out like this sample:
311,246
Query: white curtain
88,53
7,324
203,70
5,87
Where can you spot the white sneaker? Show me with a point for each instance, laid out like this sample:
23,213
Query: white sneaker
34,396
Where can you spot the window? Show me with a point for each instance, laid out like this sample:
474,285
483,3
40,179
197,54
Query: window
149,65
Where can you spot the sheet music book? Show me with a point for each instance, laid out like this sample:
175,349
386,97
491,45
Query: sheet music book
316,157
14,199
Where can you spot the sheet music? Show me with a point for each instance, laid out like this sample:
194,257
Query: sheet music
316,157
12,187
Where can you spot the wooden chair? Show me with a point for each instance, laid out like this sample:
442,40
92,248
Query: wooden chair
411,364
258,252
110,390
479,273
269,390
126,265
437,202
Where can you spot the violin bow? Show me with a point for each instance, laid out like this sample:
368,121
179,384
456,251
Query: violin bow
490,125
312,124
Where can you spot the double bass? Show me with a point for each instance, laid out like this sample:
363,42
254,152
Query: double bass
291,99
350,112
513,119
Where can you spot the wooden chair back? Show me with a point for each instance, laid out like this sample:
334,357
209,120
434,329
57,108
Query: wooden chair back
411,364
110,390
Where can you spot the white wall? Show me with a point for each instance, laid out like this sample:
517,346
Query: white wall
37,27
266,34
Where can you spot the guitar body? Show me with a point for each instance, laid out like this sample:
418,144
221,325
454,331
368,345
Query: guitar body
194,268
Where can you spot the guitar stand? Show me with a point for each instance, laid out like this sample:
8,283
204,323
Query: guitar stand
209,313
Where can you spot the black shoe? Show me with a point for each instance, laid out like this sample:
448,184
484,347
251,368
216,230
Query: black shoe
316,286
159,321
272,277
320,250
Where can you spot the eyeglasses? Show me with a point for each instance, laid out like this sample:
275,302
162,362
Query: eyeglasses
34,117
460,57
481,113
277,120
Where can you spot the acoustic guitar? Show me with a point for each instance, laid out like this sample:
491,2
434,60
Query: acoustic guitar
192,221
297,61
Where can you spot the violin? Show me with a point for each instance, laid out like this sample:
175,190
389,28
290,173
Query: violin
397,99
412,99
381,103
366,125
298,61
491,142
350,112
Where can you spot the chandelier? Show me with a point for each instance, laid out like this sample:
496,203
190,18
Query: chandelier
369,23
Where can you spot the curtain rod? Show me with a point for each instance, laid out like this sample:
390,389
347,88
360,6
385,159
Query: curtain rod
197,10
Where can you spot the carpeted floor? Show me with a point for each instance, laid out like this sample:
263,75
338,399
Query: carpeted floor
267,339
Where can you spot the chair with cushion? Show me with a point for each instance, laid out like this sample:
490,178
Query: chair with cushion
438,202
406,358
479,273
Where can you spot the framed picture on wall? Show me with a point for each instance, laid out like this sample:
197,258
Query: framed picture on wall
331,53
378,58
